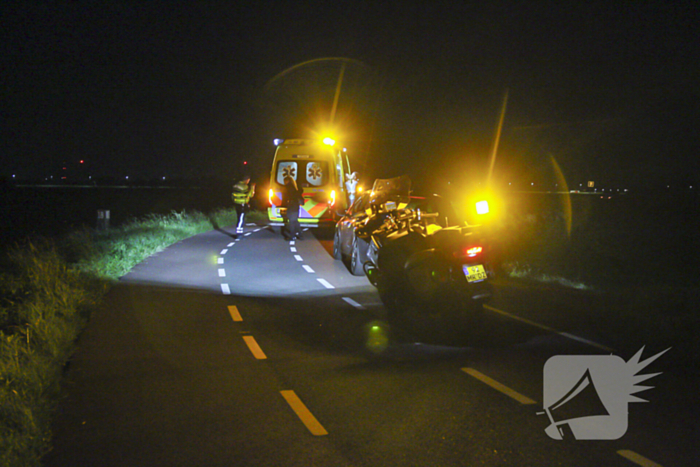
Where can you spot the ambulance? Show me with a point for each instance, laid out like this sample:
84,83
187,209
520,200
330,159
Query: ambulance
320,169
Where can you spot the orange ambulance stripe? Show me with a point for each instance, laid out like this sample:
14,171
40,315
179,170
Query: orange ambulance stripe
317,210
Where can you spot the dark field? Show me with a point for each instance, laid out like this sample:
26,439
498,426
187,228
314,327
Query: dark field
629,266
55,211
648,238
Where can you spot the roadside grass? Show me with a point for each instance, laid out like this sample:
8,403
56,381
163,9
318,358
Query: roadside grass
45,303
47,292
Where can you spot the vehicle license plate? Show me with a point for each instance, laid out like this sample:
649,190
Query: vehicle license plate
474,273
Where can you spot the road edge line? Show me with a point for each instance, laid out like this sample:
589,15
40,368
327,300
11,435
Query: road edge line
548,329
637,458
499,387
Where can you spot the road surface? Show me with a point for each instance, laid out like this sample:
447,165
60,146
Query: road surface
249,350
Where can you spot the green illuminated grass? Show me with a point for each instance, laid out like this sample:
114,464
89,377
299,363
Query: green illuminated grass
47,290
44,308
112,253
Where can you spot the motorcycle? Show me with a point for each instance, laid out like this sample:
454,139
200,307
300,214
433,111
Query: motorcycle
421,265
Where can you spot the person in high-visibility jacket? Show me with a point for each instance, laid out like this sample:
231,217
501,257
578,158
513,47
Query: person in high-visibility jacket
242,192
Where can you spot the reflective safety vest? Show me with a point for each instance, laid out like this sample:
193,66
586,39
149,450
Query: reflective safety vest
242,193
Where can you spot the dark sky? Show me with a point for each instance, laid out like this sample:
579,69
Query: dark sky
155,88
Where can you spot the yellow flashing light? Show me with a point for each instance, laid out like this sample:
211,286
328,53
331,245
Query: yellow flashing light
270,195
329,141
332,198
482,207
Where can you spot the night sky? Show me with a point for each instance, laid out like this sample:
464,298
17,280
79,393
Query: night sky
185,89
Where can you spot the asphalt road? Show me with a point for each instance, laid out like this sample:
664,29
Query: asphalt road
250,351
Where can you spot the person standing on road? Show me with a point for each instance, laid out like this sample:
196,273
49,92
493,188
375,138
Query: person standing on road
242,192
292,201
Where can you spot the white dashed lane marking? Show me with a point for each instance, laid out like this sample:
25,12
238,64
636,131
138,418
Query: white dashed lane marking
293,249
225,289
325,283
298,258
230,244
291,242
220,261
247,234
222,272
308,269
353,303
224,251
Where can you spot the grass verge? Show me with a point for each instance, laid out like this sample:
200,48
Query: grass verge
47,290
640,284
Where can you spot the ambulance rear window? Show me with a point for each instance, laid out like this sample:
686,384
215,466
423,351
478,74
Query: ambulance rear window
307,173
286,169
316,173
